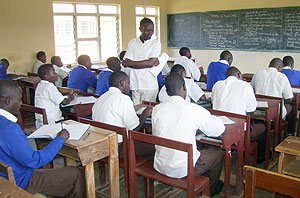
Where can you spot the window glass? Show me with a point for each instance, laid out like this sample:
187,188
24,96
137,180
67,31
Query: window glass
63,8
151,11
108,9
89,48
108,37
86,27
86,8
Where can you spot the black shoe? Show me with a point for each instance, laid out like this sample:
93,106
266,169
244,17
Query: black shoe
217,188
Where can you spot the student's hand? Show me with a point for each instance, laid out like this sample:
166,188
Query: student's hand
126,62
154,61
69,66
201,70
147,112
64,134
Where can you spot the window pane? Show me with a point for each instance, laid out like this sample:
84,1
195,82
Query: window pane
138,20
108,9
85,8
151,11
153,19
89,48
108,37
139,10
63,8
64,39
86,27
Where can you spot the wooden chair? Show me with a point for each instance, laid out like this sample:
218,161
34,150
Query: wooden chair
296,109
192,184
83,110
271,181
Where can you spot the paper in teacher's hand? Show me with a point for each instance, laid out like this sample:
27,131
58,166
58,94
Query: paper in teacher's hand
162,61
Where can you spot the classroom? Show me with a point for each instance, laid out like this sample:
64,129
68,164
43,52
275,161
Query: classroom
29,26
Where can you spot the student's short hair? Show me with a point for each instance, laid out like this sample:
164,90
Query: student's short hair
183,51
225,55
122,54
232,71
4,61
288,60
174,82
276,62
44,70
53,59
40,54
6,86
177,68
145,21
116,77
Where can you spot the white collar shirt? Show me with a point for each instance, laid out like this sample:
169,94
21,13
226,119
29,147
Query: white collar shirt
233,95
8,115
191,69
142,79
179,120
37,65
61,75
224,62
270,82
287,67
193,92
115,108
49,98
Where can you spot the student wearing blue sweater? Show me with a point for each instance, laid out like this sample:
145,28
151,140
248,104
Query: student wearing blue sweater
16,152
288,70
4,64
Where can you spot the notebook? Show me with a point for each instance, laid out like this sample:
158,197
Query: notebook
81,100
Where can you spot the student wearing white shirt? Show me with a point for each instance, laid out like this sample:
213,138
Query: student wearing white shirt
179,120
141,55
237,96
57,65
48,97
41,59
192,70
194,92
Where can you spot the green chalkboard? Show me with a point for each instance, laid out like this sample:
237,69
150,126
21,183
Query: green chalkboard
266,29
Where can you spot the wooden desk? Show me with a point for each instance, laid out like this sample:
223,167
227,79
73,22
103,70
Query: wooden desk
289,159
8,189
234,135
296,92
28,85
248,77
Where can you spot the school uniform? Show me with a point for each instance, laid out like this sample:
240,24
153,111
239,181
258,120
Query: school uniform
193,92
143,84
292,75
61,75
191,69
36,66
103,82
81,78
16,152
216,71
49,98
3,72
179,120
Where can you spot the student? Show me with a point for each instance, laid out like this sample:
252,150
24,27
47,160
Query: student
194,92
4,64
81,77
192,70
141,55
16,152
237,96
116,108
288,70
41,59
113,64
179,120
271,82
57,65
217,70
48,97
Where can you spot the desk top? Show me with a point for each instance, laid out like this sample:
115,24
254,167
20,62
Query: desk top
291,145
8,189
31,79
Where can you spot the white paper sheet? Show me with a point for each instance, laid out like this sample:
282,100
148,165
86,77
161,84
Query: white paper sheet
262,104
81,100
226,120
162,61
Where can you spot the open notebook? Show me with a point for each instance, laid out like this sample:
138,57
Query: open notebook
81,100
50,131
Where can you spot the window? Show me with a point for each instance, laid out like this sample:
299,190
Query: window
148,12
90,29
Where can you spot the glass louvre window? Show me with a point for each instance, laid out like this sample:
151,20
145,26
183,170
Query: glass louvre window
90,29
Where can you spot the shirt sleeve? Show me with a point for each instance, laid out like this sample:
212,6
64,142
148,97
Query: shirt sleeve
195,71
251,102
156,50
61,73
129,117
286,87
130,50
54,95
195,91
91,79
162,95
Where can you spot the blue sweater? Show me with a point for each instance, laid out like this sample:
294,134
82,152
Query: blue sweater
160,80
15,151
103,82
81,78
293,76
216,71
3,72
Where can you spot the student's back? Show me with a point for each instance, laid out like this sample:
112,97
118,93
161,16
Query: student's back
292,75
102,83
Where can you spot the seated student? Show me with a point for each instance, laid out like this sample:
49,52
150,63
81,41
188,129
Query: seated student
113,64
81,77
16,152
237,96
288,70
116,108
179,120
4,64
192,70
41,59
48,97
271,82
217,70
194,92
62,75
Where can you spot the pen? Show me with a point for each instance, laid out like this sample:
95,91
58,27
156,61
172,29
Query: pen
86,136
61,123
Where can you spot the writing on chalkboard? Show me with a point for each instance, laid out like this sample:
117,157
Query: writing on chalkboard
276,29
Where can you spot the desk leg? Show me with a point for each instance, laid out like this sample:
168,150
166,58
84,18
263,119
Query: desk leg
227,172
114,168
239,165
277,133
90,180
267,153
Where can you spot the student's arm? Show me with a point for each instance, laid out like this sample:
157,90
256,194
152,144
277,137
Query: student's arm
287,89
146,113
250,99
68,99
151,62
91,79
195,70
